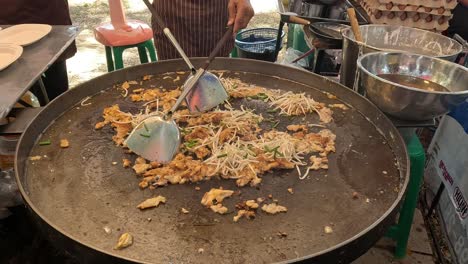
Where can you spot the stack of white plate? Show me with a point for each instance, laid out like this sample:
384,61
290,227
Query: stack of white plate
13,39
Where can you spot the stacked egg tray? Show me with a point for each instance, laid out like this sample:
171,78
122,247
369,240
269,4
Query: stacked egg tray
432,15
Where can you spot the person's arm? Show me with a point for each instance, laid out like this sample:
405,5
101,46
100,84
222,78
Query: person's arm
240,13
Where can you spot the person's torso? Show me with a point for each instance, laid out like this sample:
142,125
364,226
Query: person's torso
459,22
52,12
197,24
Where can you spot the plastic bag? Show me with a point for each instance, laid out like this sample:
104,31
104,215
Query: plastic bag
292,54
9,193
447,162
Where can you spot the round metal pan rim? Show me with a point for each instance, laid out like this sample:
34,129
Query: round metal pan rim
257,42
36,210
329,23
458,48
395,136
362,68
323,36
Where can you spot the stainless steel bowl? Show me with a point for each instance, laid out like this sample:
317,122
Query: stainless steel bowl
409,103
390,39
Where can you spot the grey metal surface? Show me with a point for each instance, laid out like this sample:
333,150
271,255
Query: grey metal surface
409,103
462,41
331,30
312,9
418,124
36,58
208,93
22,118
337,11
74,193
162,141
393,38
285,18
320,39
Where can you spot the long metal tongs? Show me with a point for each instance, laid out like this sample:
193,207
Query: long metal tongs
209,91
157,138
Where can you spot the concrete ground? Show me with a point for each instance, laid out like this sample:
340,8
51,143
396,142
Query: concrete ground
90,62
419,247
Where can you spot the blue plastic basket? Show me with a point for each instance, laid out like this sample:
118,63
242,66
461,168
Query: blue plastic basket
257,43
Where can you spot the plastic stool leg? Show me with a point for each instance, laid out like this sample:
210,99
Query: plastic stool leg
417,161
290,37
110,61
151,50
234,53
118,51
142,54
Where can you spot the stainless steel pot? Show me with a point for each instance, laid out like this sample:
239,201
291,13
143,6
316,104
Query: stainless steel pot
407,103
393,38
311,9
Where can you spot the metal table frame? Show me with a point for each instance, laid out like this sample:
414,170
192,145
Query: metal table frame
18,78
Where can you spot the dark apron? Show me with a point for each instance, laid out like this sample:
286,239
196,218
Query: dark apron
197,24
459,22
52,12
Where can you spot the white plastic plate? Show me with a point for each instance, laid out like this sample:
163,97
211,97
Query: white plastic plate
24,34
9,53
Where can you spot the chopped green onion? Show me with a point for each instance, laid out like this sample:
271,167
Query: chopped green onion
222,155
275,148
191,143
198,109
146,128
145,135
275,124
45,142
276,152
259,96
262,96
272,111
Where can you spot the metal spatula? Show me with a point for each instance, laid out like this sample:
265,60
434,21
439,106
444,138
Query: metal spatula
209,91
157,138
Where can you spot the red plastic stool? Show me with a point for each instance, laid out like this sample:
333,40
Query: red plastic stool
121,34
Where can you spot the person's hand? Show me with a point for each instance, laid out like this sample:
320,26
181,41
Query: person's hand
240,13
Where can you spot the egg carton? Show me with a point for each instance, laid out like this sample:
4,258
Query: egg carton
446,4
438,25
422,20
376,5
